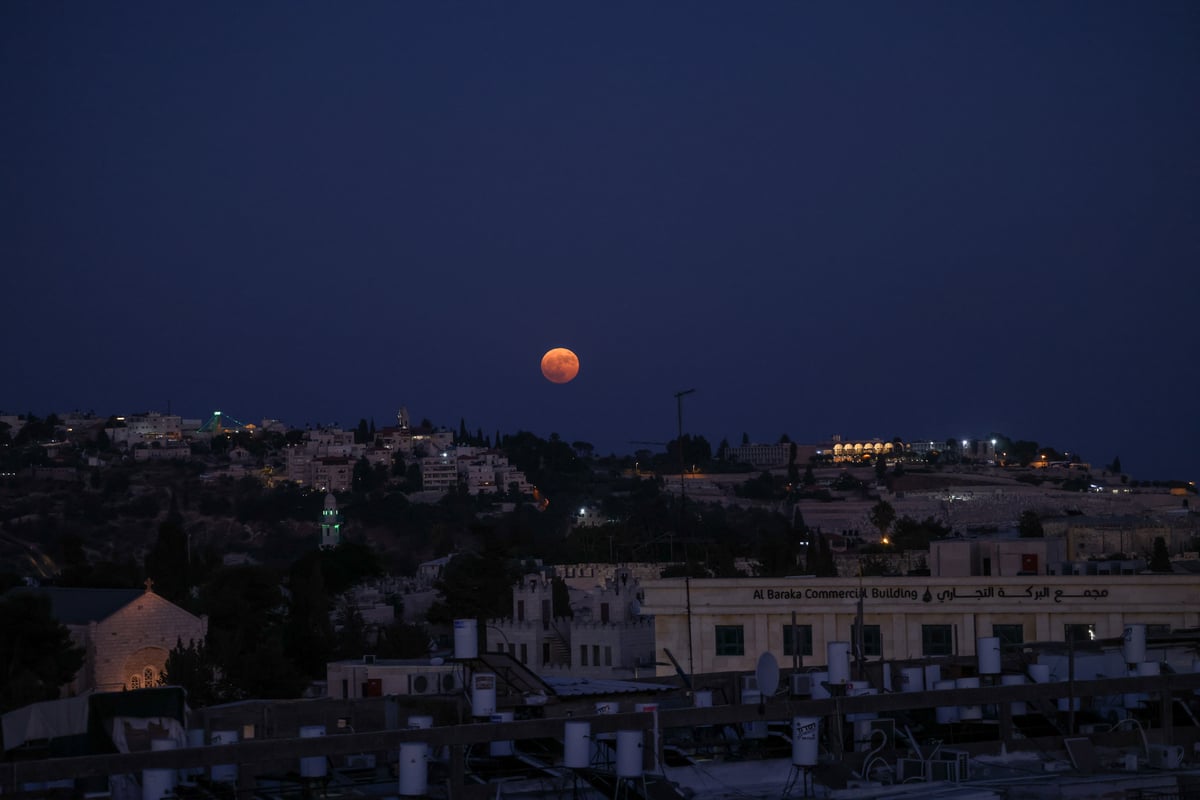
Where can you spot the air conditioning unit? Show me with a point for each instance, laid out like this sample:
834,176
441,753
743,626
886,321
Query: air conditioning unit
749,683
1165,756
944,771
801,683
909,769
361,761
961,760
450,682
424,683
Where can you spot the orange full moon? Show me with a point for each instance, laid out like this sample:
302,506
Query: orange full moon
560,365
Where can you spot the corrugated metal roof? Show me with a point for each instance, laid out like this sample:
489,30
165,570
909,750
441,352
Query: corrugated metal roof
583,687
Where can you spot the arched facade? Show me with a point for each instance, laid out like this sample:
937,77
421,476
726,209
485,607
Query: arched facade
856,451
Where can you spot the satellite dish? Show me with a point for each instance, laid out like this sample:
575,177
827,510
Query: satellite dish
767,674
635,608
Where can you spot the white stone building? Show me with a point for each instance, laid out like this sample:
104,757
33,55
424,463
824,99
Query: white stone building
608,636
126,634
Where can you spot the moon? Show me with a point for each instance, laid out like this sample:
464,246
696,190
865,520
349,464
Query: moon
560,365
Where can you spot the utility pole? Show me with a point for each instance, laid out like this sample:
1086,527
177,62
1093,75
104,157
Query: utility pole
679,443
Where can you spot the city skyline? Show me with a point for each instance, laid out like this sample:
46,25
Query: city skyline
866,220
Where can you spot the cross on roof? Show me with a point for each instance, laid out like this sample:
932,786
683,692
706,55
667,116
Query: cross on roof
149,584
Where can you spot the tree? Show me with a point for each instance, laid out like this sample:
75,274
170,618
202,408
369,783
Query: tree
192,668
362,434
364,478
1116,465
474,586
809,478
560,599
1160,559
882,516
1030,525
167,563
36,652
403,640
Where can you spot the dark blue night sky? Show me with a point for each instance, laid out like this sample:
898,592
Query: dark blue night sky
924,220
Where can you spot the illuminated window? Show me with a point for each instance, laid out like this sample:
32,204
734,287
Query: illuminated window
148,677
135,682
1079,632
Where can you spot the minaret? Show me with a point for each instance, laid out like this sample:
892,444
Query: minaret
331,524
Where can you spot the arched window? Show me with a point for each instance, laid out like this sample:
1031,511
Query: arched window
148,677
135,682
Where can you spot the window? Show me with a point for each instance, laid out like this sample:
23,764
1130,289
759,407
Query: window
803,633
595,655
937,640
148,677
872,639
1078,632
135,682
1009,634
583,655
545,653
731,640
608,655
524,653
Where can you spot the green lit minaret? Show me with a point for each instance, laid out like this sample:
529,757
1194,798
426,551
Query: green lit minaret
331,524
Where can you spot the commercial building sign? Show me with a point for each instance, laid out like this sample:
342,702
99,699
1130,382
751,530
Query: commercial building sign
1031,593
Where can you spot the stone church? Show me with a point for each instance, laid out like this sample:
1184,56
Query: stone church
126,634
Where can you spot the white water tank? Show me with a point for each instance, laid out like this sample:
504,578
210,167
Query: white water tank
805,740
195,738
505,747
466,638
861,689
933,674
702,699
1133,643
1147,669
223,773
414,769
577,744
312,766
1143,669
838,662
1040,673
1017,706
157,783
756,729
945,714
629,754
819,690
969,712
987,653
483,694
912,679
886,672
